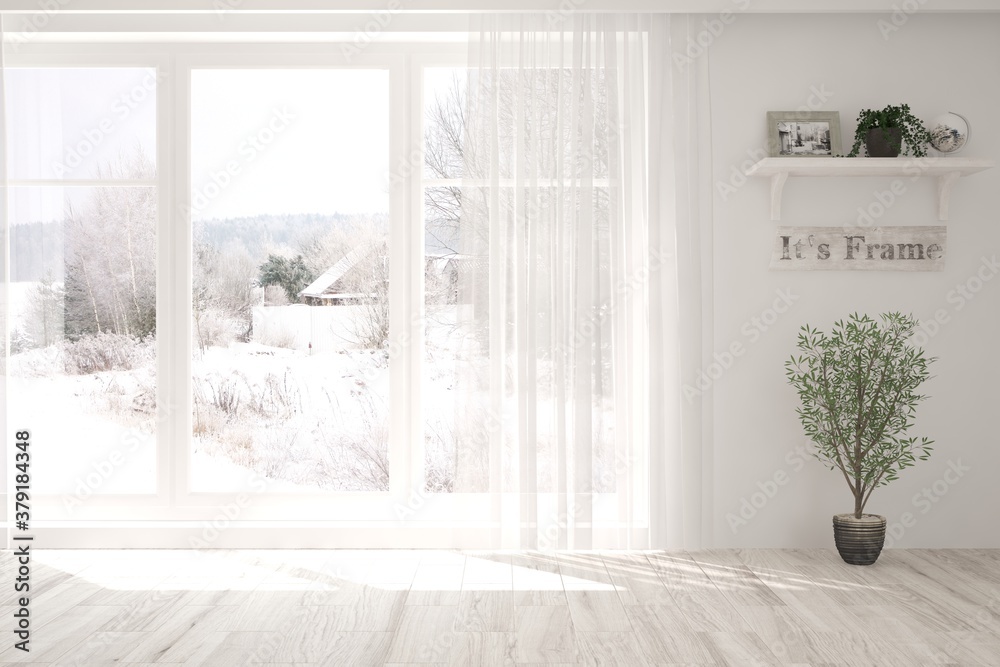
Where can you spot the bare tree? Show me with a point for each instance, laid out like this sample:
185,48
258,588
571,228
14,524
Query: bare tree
111,256
368,283
222,289
44,313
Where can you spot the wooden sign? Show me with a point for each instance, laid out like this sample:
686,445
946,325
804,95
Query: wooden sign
858,249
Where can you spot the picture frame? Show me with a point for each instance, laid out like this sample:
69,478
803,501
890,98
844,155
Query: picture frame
803,133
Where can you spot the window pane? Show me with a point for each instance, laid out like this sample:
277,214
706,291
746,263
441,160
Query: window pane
444,108
291,264
459,384
82,336
463,386
74,123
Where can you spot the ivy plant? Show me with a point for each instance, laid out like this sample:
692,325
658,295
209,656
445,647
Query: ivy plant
912,131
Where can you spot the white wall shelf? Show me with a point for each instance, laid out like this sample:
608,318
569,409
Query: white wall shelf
946,170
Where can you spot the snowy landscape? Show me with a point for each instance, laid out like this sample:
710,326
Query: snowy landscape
291,360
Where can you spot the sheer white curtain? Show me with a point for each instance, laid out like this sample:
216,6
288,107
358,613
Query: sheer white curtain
578,283
3,284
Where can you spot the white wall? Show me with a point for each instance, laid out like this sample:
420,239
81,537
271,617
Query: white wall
936,63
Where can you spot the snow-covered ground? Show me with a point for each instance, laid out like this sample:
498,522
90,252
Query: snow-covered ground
90,434
315,421
17,302
298,421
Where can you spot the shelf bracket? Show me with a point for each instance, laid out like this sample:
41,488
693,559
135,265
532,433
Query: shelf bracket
777,185
944,185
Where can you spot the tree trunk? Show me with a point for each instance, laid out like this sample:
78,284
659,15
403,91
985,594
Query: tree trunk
131,265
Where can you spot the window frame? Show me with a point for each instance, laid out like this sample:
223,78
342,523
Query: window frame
60,58
176,517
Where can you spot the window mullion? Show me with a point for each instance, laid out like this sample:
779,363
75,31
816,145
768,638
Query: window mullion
177,284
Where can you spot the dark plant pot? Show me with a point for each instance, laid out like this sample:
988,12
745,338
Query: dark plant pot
877,145
859,541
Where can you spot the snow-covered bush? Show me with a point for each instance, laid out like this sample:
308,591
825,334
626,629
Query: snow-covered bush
278,337
213,328
20,341
105,352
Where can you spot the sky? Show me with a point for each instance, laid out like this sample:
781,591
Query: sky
289,141
63,123
263,141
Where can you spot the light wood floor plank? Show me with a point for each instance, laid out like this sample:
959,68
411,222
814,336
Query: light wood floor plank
609,649
665,636
483,649
545,634
789,638
485,611
710,611
737,648
635,579
424,634
188,637
537,579
739,584
680,572
666,608
597,611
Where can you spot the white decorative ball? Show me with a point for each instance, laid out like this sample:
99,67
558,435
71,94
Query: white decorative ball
949,132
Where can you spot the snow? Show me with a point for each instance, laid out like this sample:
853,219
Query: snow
296,421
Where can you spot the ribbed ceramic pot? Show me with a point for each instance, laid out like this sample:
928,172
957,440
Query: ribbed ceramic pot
877,146
859,541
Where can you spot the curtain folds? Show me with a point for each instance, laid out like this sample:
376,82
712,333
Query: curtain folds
579,284
4,343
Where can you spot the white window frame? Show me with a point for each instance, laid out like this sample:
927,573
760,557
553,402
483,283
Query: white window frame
175,517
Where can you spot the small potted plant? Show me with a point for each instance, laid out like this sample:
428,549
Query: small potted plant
884,133
857,390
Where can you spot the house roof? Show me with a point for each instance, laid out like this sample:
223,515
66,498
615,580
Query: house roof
317,288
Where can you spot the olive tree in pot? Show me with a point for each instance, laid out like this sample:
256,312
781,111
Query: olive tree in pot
857,390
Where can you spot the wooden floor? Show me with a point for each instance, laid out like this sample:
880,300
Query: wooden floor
755,607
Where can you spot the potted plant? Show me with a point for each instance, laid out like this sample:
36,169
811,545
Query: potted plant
857,389
884,132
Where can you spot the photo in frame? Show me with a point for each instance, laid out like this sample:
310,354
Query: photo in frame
803,133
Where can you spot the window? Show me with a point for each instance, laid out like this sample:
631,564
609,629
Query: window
459,274
290,295
273,315
83,254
